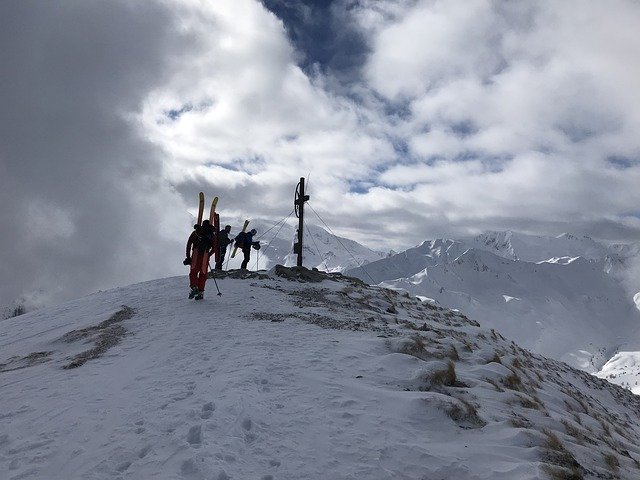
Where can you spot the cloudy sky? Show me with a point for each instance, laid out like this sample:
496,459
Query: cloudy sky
413,119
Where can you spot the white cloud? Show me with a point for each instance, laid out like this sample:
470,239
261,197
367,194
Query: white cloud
465,116
250,107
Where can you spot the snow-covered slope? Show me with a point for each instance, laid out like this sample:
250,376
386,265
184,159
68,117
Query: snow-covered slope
285,377
623,369
573,312
568,297
409,262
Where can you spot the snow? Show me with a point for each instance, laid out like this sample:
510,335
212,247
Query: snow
623,369
288,379
553,309
567,297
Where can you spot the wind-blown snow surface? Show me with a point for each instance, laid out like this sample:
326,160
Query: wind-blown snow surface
288,379
559,296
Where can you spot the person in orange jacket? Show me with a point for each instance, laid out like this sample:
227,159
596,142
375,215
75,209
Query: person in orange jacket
199,249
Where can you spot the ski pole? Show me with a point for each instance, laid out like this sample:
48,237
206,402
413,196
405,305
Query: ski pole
213,275
228,259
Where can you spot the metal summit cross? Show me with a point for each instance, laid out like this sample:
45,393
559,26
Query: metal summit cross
298,204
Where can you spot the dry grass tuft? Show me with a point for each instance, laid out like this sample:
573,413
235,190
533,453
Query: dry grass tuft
416,347
553,442
466,417
531,403
513,382
560,473
556,454
496,358
520,422
453,354
611,461
446,377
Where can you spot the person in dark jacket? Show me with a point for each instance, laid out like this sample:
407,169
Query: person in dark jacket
244,240
223,243
199,249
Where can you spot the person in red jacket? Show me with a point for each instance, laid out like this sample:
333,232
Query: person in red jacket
199,249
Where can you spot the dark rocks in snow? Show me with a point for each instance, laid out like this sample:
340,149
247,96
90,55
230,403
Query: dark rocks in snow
303,274
104,336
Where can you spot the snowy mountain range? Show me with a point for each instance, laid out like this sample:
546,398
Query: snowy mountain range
296,374
567,297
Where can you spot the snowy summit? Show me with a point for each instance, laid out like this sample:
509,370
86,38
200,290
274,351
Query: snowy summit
294,374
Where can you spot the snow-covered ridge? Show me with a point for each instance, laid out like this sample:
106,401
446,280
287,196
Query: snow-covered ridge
296,374
534,248
567,297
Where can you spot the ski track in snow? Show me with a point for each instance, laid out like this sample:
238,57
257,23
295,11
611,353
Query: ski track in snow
203,390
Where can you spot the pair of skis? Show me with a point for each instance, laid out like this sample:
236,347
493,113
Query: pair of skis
235,248
214,219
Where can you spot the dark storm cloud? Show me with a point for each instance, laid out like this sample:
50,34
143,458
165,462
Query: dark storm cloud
72,168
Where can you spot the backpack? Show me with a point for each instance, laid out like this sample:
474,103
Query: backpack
240,238
205,238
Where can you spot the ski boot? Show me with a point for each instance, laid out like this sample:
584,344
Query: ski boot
199,295
193,292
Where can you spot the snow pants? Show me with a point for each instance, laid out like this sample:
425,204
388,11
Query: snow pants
246,251
199,270
223,253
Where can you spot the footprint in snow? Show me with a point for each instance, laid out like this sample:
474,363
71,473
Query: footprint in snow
139,427
207,410
223,476
247,424
264,385
144,451
194,437
189,467
123,467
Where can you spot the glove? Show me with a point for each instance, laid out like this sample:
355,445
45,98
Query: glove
186,261
256,245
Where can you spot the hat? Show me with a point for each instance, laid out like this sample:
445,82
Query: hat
227,227
253,231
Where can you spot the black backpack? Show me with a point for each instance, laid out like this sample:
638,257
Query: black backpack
240,238
205,237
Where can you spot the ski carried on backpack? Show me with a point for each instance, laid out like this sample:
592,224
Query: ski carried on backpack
235,248
201,208
214,220
212,212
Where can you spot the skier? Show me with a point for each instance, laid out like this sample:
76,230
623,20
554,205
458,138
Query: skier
223,242
244,241
199,249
